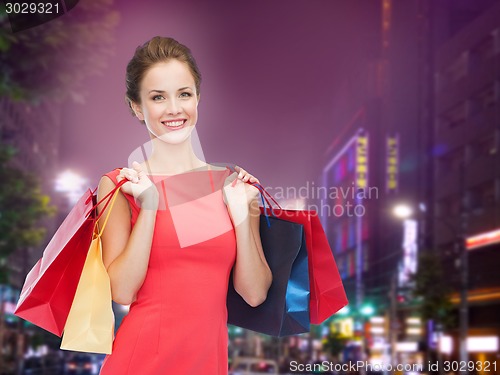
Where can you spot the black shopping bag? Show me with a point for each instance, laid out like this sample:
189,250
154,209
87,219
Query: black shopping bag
286,309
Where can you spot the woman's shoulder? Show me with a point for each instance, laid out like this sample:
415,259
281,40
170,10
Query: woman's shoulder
219,168
112,174
223,171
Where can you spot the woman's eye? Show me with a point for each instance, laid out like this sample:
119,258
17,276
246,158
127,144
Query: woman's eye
185,95
157,96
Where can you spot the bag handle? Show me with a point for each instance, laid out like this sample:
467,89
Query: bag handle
264,195
264,200
107,196
261,189
111,203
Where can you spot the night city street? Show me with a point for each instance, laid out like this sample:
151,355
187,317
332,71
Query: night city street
383,116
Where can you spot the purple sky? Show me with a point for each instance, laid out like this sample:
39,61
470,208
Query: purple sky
271,77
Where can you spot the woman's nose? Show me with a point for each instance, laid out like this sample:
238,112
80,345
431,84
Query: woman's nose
173,107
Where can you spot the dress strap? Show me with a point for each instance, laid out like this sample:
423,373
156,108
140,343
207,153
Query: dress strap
211,178
113,175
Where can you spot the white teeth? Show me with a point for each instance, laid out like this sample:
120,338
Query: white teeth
174,123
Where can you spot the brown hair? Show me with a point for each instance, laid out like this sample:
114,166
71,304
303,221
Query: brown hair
158,49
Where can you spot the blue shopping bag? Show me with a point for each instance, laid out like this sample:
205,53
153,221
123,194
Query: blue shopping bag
286,309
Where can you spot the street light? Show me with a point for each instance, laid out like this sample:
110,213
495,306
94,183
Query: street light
367,310
72,184
344,311
402,211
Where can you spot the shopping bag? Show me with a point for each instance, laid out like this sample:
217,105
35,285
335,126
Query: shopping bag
286,308
90,323
50,286
327,290
48,291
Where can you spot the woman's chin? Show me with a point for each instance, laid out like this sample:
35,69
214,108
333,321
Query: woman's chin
176,136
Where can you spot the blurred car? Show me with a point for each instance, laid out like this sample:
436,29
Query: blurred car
253,366
80,364
53,363
32,366
48,364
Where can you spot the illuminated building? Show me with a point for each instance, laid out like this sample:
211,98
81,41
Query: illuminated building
426,102
467,167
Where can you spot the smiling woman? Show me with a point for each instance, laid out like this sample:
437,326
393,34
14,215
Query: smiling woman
169,101
158,49
178,227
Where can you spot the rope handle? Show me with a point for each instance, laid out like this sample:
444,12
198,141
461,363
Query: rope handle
113,192
264,196
107,196
264,200
111,203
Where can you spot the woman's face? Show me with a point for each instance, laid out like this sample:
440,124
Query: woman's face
169,102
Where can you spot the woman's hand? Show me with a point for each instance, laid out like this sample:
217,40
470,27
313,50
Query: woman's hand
244,176
139,185
239,195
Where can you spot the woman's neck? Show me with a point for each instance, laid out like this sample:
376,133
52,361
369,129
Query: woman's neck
172,159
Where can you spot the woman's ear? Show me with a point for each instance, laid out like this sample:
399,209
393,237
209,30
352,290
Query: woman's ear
137,110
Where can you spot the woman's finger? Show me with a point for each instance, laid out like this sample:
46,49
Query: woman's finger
129,174
138,170
136,167
248,177
241,171
245,176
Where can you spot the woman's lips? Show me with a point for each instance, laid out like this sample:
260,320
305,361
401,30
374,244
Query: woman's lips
174,124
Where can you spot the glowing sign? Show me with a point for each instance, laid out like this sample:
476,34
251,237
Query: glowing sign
391,169
362,162
377,320
345,327
408,266
482,344
414,321
446,344
483,239
409,346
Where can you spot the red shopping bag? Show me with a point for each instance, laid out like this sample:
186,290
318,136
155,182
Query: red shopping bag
327,291
50,286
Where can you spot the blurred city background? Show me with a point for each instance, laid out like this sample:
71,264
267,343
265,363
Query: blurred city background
384,115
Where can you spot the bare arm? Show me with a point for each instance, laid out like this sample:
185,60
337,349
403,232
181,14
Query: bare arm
252,276
126,250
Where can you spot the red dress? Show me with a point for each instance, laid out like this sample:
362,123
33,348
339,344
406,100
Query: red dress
178,323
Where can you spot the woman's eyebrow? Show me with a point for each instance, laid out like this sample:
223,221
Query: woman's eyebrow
162,91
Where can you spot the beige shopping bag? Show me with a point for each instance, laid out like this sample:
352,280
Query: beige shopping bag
90,323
